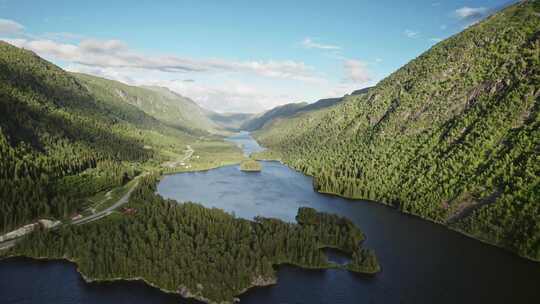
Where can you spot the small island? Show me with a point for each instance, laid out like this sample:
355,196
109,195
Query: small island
250,165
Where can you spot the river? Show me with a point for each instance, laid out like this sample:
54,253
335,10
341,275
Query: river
422,262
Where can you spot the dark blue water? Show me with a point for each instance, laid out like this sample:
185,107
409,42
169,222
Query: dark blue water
422,262
25,280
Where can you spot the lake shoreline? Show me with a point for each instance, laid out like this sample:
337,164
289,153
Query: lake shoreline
451,228
182,290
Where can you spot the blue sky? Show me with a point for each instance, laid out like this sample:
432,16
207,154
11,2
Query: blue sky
237,55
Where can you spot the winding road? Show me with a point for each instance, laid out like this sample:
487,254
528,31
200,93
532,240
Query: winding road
94,217
99,215
189,153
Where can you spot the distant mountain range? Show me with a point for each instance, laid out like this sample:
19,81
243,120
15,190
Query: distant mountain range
291,109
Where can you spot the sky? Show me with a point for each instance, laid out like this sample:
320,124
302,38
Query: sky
238,56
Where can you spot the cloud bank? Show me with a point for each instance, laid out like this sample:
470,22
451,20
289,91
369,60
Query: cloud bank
217,84
116,54
356,71
8,27
467,13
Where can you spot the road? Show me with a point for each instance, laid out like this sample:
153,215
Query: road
189,153
103,213
94,217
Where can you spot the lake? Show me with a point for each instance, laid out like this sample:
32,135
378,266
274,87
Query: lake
422,262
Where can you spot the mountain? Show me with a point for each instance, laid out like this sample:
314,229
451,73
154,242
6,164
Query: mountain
64,137
260,120
288,110
230,121
159,102
453,136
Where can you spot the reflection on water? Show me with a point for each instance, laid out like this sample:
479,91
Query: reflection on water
422,262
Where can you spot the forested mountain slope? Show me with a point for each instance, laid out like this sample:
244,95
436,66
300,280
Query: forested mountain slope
61,141
230,121
453,136
161,103
260,120
291,109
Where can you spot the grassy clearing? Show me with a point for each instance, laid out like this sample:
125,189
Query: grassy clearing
209,154
250,166
266,155
105,199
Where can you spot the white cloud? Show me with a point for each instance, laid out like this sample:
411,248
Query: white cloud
309,43
356,71
8,27
411,34
378,60
103,46
471,15
115,53
435,39
468,13
223,95
221,85
232,96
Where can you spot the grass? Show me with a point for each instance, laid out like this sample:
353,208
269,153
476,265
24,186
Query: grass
266,155
105,199
208,154
250,166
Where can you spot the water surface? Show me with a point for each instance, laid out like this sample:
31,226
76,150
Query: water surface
422,262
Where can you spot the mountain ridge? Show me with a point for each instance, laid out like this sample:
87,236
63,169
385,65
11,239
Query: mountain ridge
452,136
62,139
159,102
291,109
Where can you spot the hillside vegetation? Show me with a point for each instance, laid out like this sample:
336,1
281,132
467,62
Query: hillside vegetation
66,137
231,121
260,120
161,103
453,136
250,165
291,109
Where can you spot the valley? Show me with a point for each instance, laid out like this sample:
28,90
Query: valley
429,254
420,187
